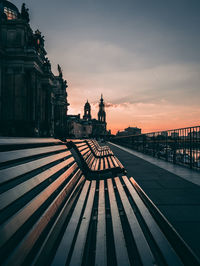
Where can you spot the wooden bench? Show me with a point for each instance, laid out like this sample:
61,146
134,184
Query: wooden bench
96,161
38,187
99,150
50,214
111,225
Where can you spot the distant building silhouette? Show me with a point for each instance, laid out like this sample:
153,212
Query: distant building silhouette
102,113
129,131
33,101
88,126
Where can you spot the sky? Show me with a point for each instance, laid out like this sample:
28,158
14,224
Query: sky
142,55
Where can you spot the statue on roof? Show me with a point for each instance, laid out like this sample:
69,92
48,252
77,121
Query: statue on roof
47,65
24,13
39,38
60,71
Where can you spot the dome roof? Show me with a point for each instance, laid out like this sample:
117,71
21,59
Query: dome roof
9,9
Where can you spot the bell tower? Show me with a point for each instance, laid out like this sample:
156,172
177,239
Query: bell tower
102,113
87,111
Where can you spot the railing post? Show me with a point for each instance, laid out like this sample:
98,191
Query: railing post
143,142
174,148
191,149
166,146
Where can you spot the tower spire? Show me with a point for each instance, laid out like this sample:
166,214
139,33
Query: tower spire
87,111
102,113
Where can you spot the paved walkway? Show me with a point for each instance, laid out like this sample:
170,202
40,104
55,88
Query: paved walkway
177,198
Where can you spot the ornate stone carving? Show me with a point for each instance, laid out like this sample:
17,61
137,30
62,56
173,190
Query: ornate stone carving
24,13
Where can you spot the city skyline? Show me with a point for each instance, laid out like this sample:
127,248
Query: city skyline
143,56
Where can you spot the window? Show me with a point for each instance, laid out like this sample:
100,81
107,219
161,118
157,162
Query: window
11,14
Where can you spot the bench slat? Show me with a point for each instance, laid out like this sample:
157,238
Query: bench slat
18,154
166,249
14,141
114,162
49,243
110,162
101,164
24,248
101,255
140,240
78,251
10,173
120,245
13,194
106,162
68,236
97,165
16,221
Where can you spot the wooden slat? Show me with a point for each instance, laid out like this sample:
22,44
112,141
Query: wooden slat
106,162
119,163
91,162
85,151
78,251
82,148
68,236
114,161
88,159
110,162
80,144
101,252
102,164
94,164
18,191
120,245
165,247
15,171
24,247
97,165
86,155
18,154
140,240
53,234
17,220
17,141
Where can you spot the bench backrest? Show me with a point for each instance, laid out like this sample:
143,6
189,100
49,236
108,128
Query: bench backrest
96,162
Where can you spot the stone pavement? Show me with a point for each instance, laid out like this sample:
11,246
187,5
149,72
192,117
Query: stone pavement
177,198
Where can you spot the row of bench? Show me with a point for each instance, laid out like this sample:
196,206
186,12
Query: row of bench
51,213
98,150
97,159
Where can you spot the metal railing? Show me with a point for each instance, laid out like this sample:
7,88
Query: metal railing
179,146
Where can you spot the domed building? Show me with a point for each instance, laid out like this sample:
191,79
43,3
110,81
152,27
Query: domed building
33,101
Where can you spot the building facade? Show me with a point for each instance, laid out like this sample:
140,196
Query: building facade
33,101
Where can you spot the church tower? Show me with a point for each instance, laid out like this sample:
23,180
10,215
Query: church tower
102,113
87,111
